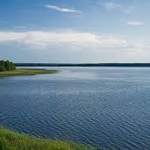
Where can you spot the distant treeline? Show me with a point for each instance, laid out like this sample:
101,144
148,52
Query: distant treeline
7,65
83,65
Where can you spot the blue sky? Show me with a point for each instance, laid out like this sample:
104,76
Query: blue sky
75,31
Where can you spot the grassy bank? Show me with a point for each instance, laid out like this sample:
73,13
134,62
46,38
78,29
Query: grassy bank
10,140
21,72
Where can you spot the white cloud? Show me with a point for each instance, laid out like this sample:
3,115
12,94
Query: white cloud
119,7
62,9
129,10
135,23
20,27
69,39
77,41
111,6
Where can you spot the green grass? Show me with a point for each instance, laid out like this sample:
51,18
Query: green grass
10,140
22,72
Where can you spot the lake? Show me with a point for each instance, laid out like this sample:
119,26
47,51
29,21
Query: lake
102,107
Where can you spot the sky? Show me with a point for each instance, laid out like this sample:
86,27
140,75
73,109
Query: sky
75,31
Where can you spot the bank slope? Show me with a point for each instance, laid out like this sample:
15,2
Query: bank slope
10,140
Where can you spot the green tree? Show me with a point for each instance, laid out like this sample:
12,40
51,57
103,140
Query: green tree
7,66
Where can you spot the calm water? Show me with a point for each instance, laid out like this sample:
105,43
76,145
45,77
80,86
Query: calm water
103,107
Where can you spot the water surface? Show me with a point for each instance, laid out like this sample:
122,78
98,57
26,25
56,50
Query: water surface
103,107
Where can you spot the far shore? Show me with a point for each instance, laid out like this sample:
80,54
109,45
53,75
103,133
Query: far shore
25,72
82,64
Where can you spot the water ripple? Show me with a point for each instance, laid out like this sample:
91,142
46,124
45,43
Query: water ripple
104,107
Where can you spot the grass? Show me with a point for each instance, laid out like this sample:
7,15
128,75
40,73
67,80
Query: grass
10,140
22,72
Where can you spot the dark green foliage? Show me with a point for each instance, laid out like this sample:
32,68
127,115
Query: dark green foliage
6,66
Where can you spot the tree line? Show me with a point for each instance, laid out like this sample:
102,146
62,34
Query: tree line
7,65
